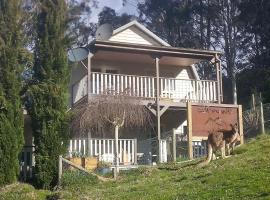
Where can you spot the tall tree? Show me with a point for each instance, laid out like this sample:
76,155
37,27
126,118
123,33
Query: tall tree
255,21
81,29
171,20
48,95
108,15
11,116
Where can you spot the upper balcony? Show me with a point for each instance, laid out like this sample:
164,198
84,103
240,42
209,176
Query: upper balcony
144,87
135,68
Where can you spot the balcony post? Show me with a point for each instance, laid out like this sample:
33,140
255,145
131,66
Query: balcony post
158,107
219,77
90,55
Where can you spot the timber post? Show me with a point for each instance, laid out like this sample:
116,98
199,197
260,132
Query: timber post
158,107
174,145
60,170
218,77
262,118
189,133
89,76
240,124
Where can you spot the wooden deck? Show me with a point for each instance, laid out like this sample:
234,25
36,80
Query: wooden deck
171,90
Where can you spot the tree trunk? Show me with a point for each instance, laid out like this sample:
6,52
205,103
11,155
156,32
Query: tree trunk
234,89
116,169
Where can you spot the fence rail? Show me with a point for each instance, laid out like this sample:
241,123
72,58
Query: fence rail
145,87
105,149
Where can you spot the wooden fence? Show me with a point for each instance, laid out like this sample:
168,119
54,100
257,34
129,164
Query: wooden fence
105,149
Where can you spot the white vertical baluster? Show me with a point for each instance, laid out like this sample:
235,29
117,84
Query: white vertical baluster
203,88
128,143
153,87
170,87
161,87
118,84
137,86
84,147
149,86
215,91
132,151
141,87
90,147
114,88
130,85
101,83
112,141
80,145
134,86
110,82
95,142
211,91
94,83
124,148
145,86
197,98
75,146
98,83
108,146
125,84
103,144
208,91
99,147
105,83
120,150
193,90
201,91
70,148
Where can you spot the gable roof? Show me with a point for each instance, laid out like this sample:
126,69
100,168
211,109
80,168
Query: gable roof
143,29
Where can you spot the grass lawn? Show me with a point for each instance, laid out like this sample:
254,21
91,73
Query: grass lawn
246,175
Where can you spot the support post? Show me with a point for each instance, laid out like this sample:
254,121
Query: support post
262,118
60,170
189,134
135,152
116,169
221,81
158,107
174,145
240,124
89,76
217,63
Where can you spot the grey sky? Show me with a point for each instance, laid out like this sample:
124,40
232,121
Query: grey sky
117,5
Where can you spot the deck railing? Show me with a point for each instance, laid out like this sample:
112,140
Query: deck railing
145,87
105,149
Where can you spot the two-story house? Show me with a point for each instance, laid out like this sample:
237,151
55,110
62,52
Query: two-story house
156,73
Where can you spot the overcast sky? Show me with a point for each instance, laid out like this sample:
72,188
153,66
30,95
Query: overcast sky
117,5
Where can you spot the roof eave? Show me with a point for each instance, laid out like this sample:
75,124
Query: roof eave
201,54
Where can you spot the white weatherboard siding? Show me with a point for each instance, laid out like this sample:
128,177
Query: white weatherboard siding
133,35
183,87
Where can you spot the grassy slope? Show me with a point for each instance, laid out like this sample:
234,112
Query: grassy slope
246,175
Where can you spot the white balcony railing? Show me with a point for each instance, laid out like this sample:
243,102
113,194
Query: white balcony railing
145,87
